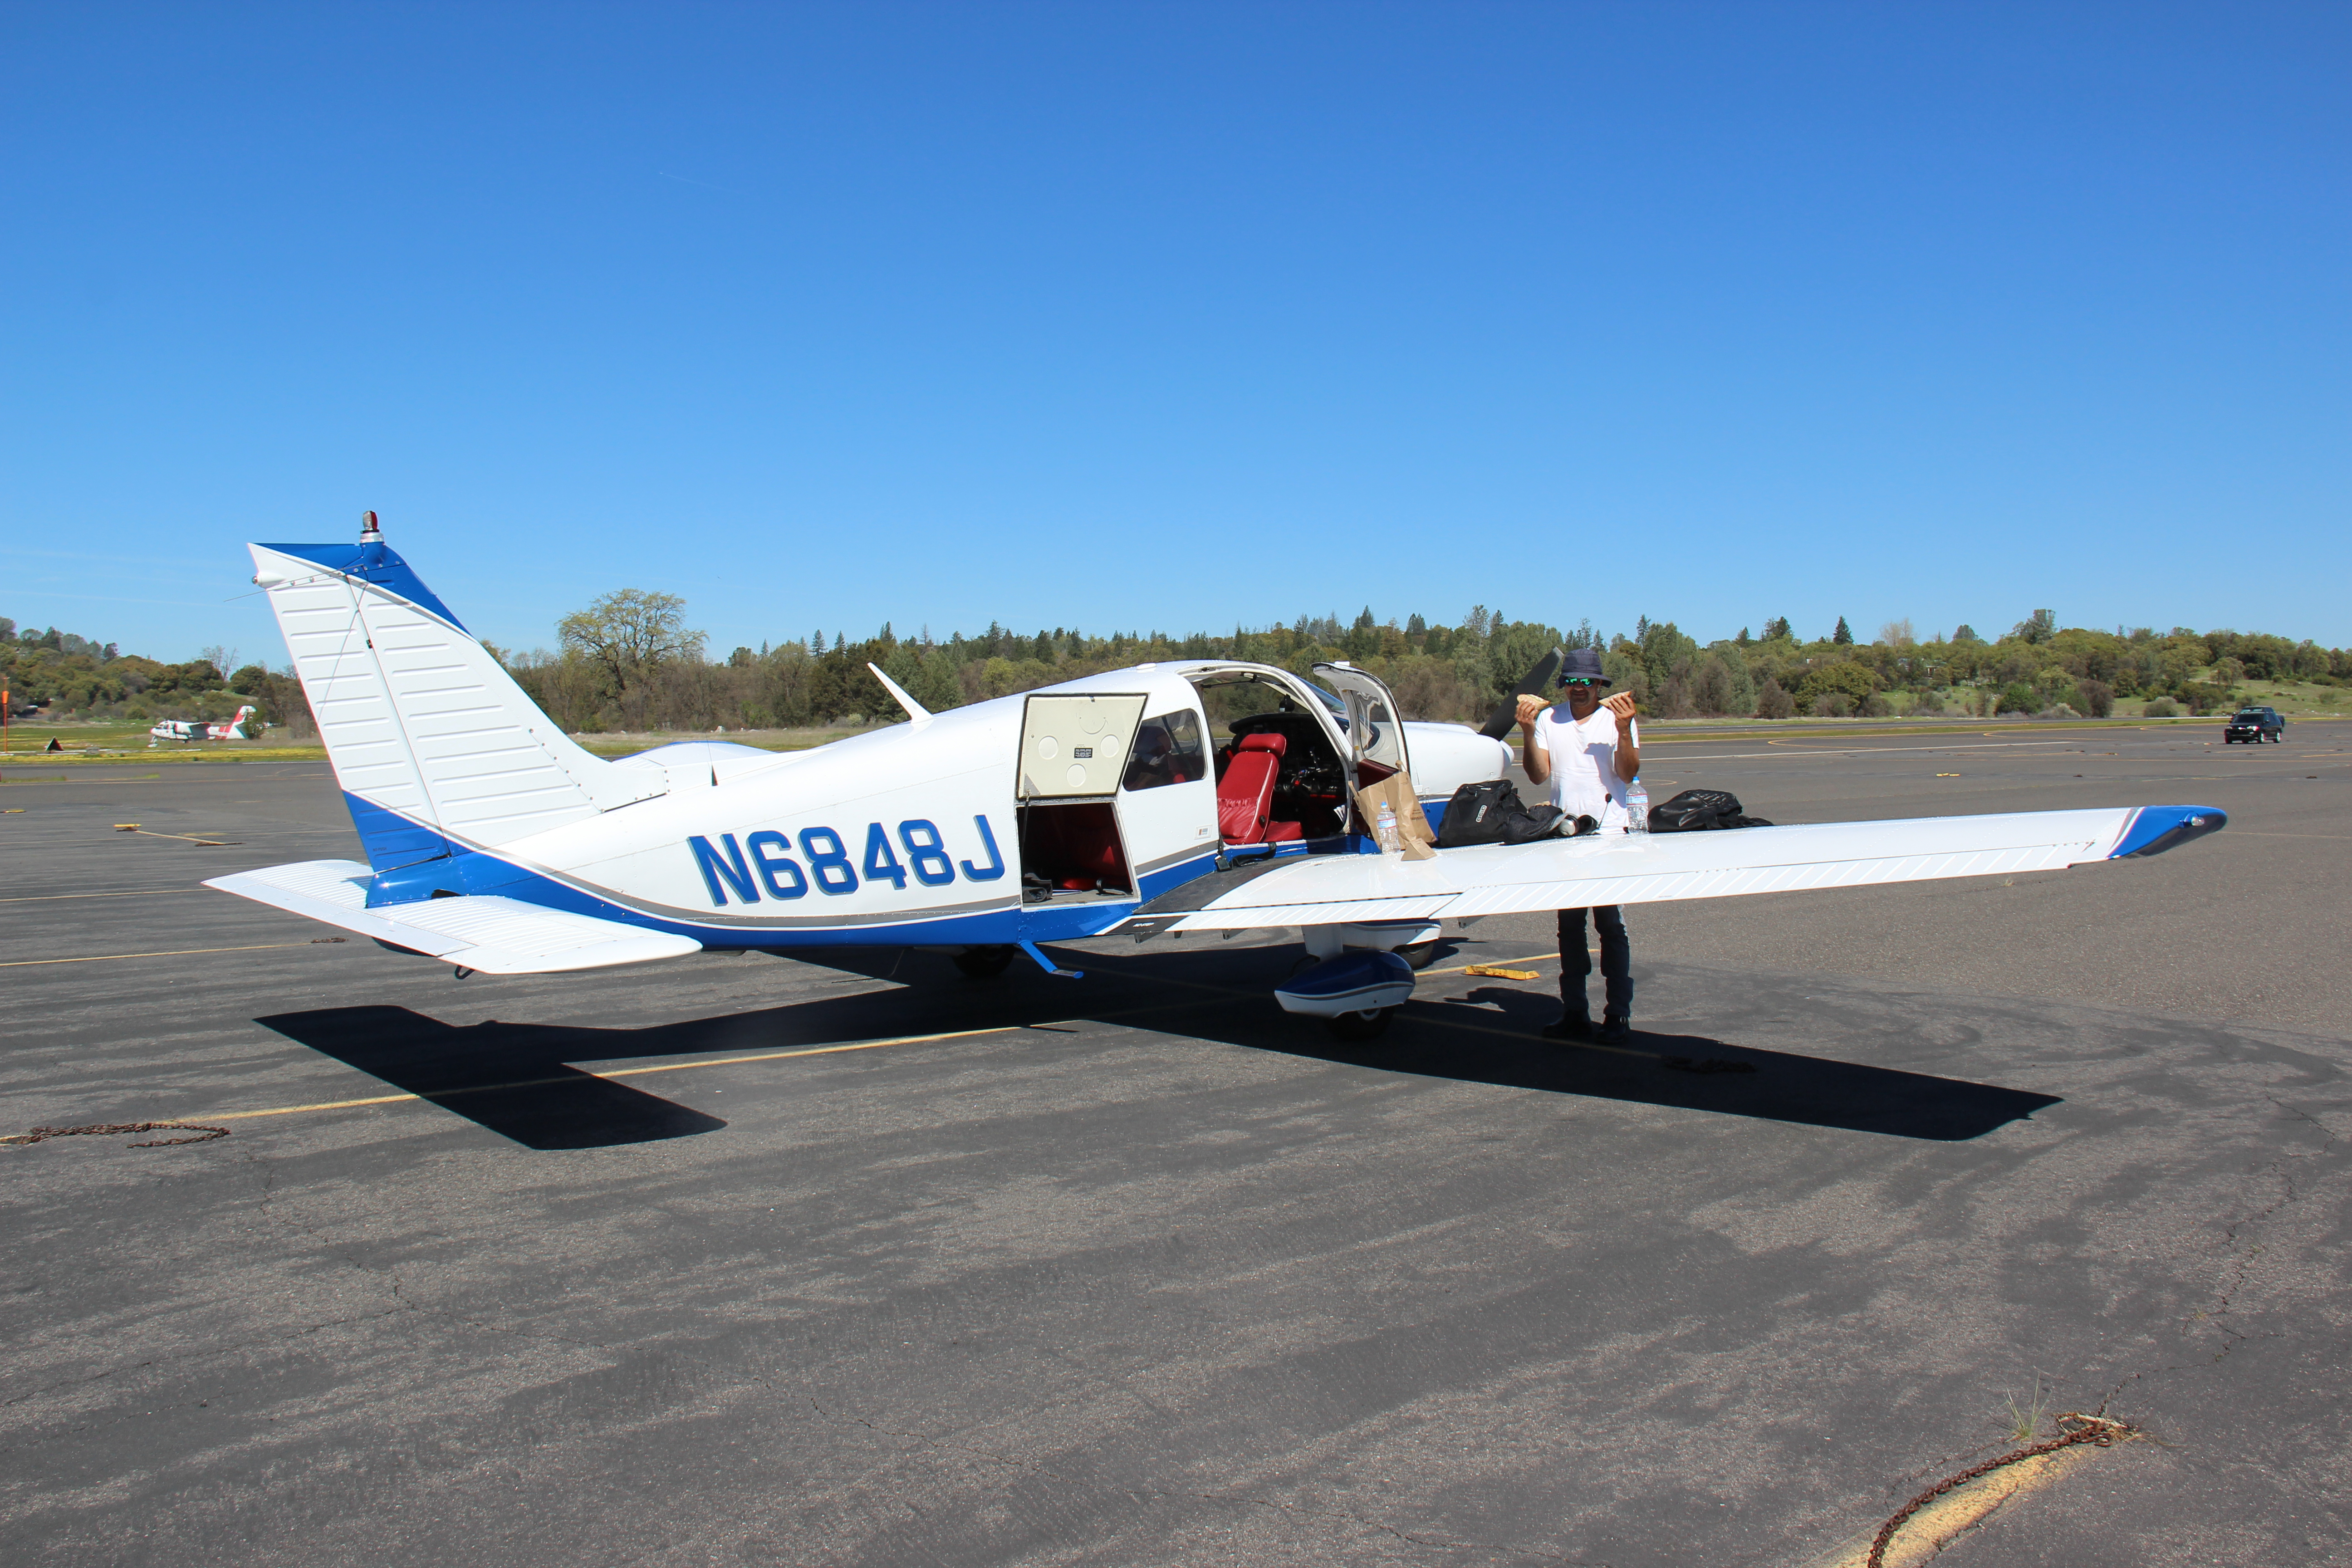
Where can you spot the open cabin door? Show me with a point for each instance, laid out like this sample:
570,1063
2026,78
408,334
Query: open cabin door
1168,797
1074,749
1375,744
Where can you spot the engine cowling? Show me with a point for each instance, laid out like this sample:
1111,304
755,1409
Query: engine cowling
1447,756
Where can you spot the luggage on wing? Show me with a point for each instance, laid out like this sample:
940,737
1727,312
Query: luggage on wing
1492,813
1697,809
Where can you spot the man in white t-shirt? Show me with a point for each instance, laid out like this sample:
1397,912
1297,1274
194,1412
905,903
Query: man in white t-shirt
1587,749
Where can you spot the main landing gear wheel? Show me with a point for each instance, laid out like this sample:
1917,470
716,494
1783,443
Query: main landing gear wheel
985,962
1421,954
1370,1024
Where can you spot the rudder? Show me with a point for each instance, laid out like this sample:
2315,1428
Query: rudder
423,728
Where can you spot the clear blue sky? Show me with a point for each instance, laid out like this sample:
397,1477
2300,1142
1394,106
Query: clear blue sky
1175,316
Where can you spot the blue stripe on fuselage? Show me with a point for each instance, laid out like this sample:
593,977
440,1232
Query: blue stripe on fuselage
467,871
390,839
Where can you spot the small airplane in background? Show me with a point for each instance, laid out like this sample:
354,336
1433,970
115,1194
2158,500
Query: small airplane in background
1095,807
244,727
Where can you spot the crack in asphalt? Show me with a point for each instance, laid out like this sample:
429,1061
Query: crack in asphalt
2241,1264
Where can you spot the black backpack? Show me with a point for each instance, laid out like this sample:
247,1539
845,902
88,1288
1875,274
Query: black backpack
1697,809
1491,813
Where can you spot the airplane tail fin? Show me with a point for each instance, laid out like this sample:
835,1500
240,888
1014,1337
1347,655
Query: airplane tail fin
435,745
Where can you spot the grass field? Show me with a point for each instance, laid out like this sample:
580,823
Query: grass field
105,743
118,743
2297,699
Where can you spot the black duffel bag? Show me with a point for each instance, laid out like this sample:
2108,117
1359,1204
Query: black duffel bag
1492,813
1695,810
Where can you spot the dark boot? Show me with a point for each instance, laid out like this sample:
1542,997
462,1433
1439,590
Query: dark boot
1570,1027
1614,1029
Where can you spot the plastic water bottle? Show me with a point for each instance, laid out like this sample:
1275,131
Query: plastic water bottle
1637,807
1384,831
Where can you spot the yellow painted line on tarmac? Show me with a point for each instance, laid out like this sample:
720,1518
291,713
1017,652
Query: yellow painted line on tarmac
669,1066
365,1101
614,1073
134,893
178,953
821,1050
1424,1003
1796,747
1799,745
1522,1037
2256,833
321,1105
1524,958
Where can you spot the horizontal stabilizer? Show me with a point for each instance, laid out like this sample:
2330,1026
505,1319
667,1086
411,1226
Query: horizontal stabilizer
494,935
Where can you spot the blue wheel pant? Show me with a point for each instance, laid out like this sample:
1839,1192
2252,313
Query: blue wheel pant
1576,963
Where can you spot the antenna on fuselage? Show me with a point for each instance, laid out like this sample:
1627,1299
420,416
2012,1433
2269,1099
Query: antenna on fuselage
915,709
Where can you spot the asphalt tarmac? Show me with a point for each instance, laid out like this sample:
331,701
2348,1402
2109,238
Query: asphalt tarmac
749,1261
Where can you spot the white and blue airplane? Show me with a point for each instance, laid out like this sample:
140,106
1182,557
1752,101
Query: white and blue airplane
1098,806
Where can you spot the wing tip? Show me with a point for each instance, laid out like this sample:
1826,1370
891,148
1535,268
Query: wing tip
2153,829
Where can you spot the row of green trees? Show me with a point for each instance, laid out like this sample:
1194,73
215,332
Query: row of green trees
629,661
73,675
2038,666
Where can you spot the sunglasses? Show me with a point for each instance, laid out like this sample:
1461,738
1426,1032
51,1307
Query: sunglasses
1579,680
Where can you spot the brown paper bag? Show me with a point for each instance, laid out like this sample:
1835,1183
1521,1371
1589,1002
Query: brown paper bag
1413,827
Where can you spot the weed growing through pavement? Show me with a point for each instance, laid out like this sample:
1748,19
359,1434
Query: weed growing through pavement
2025,1420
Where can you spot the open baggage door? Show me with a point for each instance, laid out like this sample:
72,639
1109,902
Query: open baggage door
1074,749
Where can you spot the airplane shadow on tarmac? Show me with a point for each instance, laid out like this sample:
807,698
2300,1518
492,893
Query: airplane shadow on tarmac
515,1079
511,1078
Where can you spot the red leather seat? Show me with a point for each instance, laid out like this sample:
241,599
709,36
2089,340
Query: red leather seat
1245,794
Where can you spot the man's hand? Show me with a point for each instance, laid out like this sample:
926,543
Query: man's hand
1531,708
1620,704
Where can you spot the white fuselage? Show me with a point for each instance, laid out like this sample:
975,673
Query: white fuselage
872,837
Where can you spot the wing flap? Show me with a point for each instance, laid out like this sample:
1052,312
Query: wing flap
1631,869
494,935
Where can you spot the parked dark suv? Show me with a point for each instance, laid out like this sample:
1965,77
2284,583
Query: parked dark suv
2254,726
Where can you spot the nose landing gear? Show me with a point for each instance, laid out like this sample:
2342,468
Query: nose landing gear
1370,1024
1355,994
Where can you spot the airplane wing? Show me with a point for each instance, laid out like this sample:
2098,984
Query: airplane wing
1633,869
494,935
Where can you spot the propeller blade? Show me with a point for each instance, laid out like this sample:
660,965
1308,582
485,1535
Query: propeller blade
1500,722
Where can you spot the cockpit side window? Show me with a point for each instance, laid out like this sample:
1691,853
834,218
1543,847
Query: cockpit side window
1168,750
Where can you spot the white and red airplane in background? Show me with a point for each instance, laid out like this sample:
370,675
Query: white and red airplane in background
241,728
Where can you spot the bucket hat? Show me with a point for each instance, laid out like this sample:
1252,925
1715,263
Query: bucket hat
1583,664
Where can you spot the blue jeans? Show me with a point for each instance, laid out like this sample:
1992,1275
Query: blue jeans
1576,963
